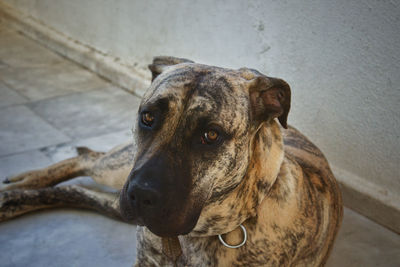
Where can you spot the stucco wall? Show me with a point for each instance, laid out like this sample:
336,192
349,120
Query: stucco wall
340,57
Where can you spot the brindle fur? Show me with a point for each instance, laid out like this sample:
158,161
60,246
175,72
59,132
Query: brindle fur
274,181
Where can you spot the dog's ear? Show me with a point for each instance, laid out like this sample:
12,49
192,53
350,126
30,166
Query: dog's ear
161,62
270,98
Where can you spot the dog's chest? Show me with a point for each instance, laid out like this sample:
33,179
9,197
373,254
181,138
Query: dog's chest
209,251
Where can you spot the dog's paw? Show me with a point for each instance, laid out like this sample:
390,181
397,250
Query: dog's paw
10,183
4,185
14,203
13,179
7,206
27,180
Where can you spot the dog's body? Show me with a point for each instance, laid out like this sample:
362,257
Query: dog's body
294,226
210,156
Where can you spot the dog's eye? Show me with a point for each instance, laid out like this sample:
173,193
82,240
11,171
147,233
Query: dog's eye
209,137
147,119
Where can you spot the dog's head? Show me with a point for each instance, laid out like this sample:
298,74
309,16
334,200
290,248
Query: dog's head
197,130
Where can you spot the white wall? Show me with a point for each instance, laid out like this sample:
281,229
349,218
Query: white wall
342,59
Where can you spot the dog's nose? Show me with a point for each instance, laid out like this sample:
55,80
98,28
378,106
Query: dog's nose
141,194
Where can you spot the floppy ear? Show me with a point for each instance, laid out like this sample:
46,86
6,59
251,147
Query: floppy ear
161,62
270,98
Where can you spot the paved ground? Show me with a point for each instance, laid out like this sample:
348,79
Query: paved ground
48,105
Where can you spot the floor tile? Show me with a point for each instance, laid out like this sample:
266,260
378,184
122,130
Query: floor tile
49,81
362,242
22,130
3,64
89,114
26,161
66,238
9,97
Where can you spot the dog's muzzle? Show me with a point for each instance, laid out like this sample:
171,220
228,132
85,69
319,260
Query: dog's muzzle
157,197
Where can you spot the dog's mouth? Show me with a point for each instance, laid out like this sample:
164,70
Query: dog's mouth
158,194
169,228
168,221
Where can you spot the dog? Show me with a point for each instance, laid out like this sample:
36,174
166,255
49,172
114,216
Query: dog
216,177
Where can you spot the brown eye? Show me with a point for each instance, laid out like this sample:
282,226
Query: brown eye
147,119
209,137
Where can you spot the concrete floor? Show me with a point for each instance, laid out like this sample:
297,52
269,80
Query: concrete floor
49,105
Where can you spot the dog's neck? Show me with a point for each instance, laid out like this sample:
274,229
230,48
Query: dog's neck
265,163
264,166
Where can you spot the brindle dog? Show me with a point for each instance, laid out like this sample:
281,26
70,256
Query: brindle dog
210,157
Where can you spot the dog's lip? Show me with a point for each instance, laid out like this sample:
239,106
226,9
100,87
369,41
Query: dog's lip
154,225
170,228
168,222
132,219
128,213
167,233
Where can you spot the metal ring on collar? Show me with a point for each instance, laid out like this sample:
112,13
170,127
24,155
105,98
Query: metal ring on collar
235,246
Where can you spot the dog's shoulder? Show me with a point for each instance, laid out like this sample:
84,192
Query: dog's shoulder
304,152
312,161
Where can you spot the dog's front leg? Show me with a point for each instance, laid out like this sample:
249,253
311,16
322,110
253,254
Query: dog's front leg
53,174
20,201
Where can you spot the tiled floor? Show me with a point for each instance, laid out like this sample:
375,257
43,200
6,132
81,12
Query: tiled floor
48,105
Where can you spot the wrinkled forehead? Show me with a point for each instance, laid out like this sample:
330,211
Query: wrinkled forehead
196,88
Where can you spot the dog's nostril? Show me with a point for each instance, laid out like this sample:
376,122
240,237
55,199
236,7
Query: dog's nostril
142,195
131,194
